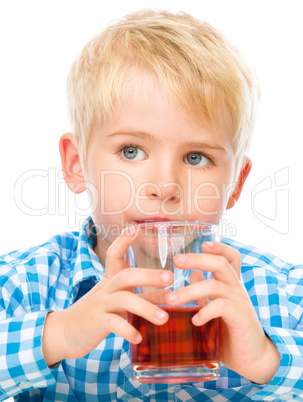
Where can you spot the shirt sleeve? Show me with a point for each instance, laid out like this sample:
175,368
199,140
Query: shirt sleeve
287,384
22,365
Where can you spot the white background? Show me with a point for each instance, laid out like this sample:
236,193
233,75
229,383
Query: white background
39,41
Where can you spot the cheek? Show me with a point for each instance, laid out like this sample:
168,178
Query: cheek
111,190
117,191
209,198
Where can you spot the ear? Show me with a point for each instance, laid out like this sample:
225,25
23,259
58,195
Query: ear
244,172
71,164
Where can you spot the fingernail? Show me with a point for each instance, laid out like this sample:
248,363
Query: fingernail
160,314
195,319
131,231
181,258
209,244
138,338
172,297
165,276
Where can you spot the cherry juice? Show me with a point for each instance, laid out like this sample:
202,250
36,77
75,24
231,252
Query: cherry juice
176,345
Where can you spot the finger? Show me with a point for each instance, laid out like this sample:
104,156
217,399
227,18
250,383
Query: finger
208,289
195,277
139,277
214,309
156,297
226,310
115,256
218,265
126,301
121,327
233,256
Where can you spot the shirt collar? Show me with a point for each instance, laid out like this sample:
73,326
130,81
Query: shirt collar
85,263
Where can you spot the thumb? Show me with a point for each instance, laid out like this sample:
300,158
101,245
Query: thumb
115,256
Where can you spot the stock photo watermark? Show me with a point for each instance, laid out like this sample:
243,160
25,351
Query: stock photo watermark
269,199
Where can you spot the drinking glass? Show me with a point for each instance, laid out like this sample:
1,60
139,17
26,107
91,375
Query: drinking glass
176,351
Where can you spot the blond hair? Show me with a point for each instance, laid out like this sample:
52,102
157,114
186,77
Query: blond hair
194,62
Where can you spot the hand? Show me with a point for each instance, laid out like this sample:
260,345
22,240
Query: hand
74,332
244,347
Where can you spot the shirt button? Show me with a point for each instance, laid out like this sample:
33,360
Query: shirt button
286,397
25,384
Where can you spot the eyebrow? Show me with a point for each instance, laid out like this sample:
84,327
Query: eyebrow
150,137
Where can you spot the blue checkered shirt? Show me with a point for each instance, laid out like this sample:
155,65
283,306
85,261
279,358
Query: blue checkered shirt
54,275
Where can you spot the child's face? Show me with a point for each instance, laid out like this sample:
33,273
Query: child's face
151,161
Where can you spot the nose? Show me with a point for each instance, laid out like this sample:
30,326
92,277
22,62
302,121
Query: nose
169,190
164,183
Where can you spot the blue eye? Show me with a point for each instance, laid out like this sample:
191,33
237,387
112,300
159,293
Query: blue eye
133,153
196,159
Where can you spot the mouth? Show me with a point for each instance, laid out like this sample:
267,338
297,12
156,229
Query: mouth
153,219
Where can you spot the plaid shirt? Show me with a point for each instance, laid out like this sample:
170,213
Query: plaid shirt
55,274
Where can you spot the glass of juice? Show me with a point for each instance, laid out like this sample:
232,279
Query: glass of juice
176,351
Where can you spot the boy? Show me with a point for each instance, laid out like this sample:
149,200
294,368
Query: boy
162,109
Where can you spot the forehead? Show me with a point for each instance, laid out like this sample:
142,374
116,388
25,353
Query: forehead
146,106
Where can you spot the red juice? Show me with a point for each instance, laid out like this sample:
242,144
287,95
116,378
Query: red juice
177,345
